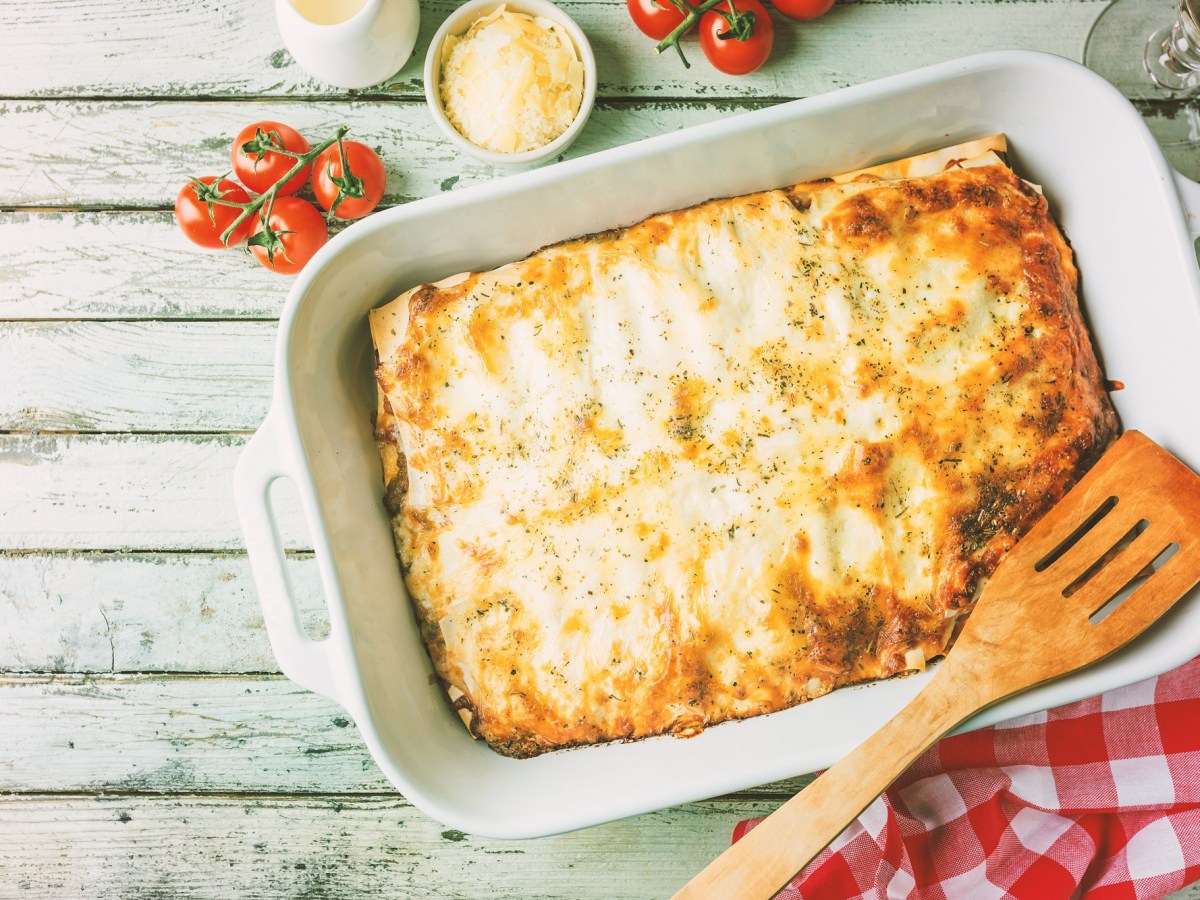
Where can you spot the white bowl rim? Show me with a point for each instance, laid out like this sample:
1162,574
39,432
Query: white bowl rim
457,22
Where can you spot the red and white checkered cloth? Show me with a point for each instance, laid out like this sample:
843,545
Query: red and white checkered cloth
1098,799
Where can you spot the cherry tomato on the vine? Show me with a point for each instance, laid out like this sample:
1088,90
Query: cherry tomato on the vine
295,232
349,196
257,163
654,18
744,47
202,219
803,10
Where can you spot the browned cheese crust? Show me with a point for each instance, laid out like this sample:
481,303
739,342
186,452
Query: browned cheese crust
732,457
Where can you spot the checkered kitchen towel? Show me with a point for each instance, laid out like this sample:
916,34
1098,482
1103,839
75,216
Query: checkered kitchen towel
1098,799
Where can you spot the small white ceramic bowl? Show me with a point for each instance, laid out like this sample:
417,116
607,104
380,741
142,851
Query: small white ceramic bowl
457,23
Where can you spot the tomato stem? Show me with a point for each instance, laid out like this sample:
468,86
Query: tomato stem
268,196
741,24
268,238
348,184
691,15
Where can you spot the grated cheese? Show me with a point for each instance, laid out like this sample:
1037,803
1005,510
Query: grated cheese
512,82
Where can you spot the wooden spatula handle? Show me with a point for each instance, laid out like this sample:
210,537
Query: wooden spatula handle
763,861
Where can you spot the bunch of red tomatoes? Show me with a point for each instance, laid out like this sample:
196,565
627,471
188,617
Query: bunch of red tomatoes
735,35
272,162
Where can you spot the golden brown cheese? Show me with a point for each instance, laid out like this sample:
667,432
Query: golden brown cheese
731,457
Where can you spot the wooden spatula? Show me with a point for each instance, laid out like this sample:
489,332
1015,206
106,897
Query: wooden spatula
1059,601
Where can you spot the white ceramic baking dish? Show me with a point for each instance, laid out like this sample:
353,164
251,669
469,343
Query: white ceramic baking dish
1070,131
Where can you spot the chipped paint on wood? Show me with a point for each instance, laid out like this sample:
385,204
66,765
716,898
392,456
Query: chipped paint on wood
144,612
124,265
103,154
335,847
339,847
106,154
135,376
135,50
120,492
146,733
197,733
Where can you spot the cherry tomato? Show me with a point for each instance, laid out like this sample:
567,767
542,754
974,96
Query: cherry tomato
202,220
353,196
297,231
802,9
258,166
654,18
746,46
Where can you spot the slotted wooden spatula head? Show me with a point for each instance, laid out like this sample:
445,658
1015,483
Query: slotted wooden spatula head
1110,558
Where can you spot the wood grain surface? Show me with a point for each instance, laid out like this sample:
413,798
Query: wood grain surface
126,492
134,50
283,846
57,154
109,612
148,746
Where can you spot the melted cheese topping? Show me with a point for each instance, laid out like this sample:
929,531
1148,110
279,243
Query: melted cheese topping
731,457
512,82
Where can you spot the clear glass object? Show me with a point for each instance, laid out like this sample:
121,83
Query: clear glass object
1150,50
1147,49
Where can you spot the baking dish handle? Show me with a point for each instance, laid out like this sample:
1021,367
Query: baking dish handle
307,662
1189,194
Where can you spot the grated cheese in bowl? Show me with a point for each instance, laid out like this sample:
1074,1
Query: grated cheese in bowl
512,82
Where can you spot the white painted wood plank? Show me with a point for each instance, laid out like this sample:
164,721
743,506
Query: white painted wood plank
124,265
115,847
152,612
186,734
182,847
139,733
117,492
234,735
163,48
1176,126
67,154
72,153
135,376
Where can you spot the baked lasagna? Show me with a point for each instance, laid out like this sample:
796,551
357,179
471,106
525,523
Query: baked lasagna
729,458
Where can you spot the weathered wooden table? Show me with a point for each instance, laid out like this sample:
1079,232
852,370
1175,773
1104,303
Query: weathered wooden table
148,745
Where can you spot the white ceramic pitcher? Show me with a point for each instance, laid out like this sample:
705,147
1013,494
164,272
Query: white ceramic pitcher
349,43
